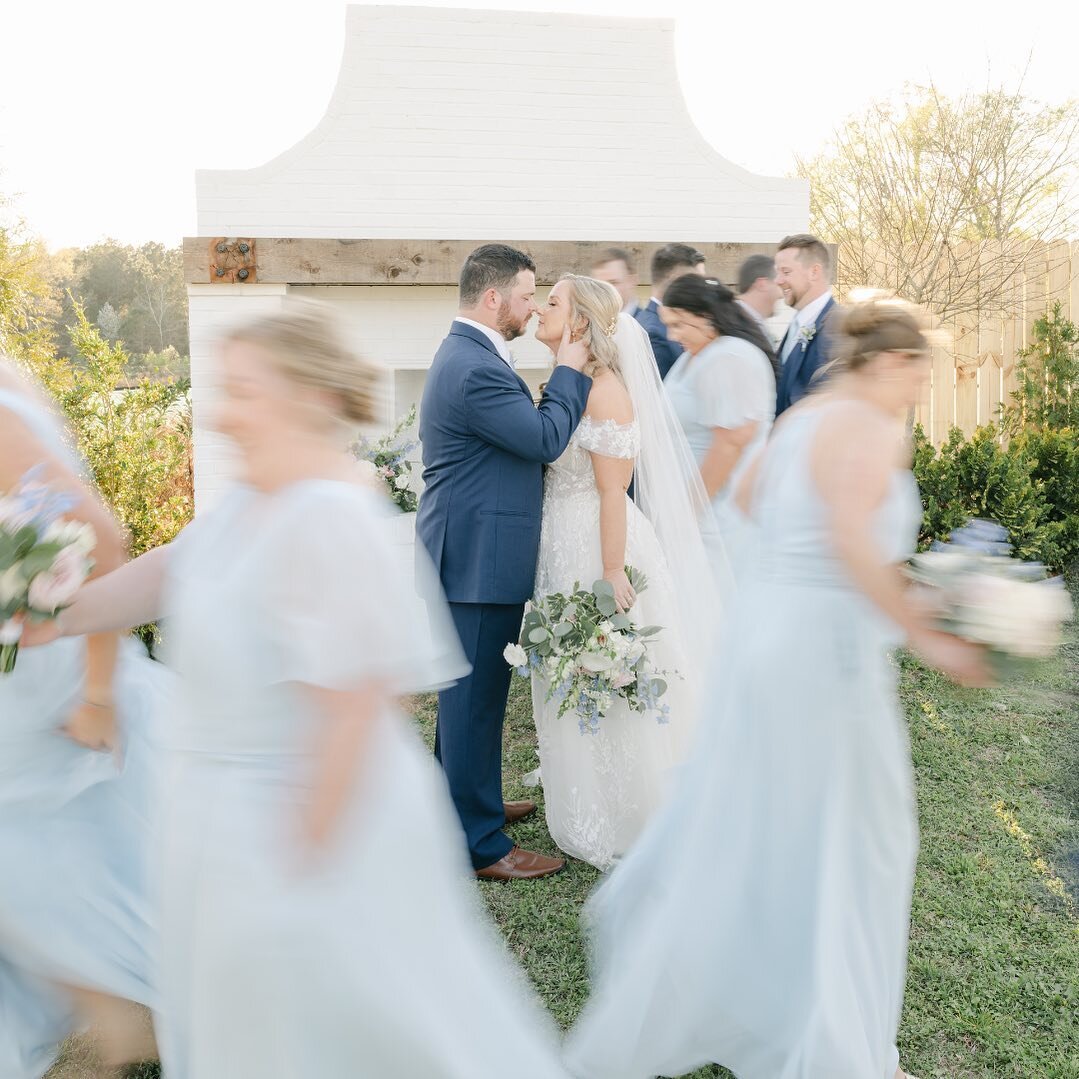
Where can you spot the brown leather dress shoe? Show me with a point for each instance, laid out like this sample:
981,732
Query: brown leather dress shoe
516,811
521,865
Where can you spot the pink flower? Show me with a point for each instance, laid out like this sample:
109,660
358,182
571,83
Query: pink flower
626,678
56,586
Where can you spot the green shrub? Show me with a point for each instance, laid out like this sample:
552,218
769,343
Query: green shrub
135,436
1047,377
980,477
1052,455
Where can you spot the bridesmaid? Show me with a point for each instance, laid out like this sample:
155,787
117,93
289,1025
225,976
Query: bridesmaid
318,915
75,794
761,922
723,389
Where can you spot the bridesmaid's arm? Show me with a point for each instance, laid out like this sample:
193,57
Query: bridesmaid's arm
852,462
129,596
341,746
724,453
91,722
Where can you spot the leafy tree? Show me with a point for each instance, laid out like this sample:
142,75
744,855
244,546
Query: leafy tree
939,198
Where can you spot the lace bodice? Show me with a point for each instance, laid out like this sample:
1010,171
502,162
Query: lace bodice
572,473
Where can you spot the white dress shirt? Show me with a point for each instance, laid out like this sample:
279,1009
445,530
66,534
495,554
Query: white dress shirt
805,317
495,338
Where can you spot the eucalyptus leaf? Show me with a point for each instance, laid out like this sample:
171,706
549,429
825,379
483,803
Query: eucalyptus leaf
621,621
562,629
607,606
602,589
538,635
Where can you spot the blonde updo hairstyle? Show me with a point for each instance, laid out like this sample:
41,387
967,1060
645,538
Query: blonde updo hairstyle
879,322
597,305
304,342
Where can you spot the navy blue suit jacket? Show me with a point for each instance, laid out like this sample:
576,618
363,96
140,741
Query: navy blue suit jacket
484,447
666,351
803,364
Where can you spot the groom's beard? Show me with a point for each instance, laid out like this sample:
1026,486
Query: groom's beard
508,326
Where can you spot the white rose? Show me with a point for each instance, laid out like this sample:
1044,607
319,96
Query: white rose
57,585
401,483
515,655
10,632
596,662
75,534
12,586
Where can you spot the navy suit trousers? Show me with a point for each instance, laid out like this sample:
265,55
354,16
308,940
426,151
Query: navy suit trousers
468,738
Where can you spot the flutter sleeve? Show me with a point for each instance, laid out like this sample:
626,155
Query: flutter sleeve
349,604
735,386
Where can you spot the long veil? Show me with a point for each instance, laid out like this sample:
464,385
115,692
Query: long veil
669,491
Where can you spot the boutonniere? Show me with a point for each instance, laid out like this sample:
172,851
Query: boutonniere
806,334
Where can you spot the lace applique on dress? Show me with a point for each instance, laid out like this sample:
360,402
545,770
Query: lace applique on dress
611,439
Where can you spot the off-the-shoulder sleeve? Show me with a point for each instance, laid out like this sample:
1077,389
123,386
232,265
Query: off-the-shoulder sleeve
735,386
609,439
349,604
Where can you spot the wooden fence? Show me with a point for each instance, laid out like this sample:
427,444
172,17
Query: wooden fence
975,373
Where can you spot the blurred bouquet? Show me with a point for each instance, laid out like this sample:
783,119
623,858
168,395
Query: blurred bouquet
590,653
980,593
389,458
43,560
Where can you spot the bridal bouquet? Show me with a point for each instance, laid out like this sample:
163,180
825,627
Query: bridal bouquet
980,593
43,560
590,653
388,456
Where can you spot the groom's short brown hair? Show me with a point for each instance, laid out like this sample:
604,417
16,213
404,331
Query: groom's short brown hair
491,266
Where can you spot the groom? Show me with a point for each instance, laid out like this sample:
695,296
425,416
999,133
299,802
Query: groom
484,447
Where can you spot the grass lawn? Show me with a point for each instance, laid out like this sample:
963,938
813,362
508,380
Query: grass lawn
993,987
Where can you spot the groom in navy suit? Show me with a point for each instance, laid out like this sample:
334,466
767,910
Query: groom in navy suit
484,447
804,276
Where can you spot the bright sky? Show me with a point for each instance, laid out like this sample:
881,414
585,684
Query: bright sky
108,107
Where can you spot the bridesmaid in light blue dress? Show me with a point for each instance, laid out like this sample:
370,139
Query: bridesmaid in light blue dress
319,910
76,929
723,390
762,920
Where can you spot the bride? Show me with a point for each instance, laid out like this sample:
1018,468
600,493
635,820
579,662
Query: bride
601,786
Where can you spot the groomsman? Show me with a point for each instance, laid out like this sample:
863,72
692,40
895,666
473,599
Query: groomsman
804,276
758,292
615,265
669,262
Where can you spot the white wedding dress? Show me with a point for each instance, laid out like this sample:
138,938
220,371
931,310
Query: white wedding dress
601,787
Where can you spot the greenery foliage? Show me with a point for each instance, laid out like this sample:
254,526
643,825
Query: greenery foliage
1047,372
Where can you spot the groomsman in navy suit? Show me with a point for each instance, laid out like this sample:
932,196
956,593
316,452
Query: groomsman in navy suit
484,447
669,262
804,275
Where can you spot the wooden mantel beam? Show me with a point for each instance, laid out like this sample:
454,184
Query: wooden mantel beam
285,261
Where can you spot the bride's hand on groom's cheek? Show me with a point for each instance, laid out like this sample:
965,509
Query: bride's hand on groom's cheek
571,353
624,595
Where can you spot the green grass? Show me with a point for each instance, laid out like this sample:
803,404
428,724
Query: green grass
993,986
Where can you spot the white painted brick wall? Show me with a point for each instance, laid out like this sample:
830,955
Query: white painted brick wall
472,124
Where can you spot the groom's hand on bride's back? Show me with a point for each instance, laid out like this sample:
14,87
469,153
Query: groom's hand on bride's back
571,353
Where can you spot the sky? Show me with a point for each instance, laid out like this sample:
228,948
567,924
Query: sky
107,108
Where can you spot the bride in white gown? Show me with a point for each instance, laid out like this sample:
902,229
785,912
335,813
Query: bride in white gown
601,786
